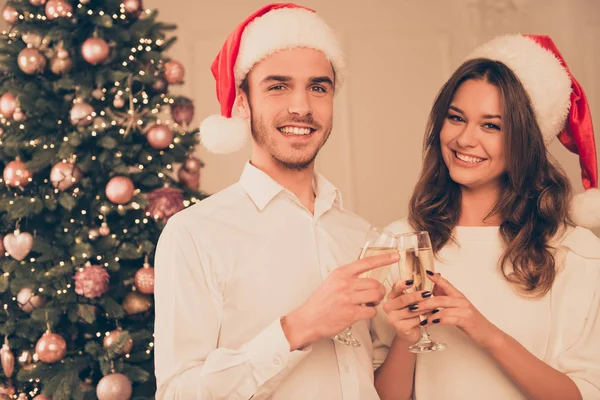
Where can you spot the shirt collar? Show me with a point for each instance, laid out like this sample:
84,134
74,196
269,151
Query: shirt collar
262,188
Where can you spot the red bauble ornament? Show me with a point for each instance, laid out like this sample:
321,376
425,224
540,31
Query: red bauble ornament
95,50
58,9
16,174
114,387
144,279
119,190
163,203
160,136
10,15
51,348
8,105
64,175
190,179
113,337
82,114
174,71
31,61
182,111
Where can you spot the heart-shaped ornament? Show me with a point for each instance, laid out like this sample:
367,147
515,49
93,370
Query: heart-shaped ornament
18,244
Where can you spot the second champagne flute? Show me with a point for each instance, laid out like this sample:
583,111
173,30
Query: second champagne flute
416,258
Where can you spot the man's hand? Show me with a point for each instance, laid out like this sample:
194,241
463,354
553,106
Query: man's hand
338,302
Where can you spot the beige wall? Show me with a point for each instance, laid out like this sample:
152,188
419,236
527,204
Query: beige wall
398,53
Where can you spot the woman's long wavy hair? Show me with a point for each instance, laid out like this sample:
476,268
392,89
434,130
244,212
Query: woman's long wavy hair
533,204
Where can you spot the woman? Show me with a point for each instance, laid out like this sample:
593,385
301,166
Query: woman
518,298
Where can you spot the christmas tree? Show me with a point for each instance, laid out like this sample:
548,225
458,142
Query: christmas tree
89,143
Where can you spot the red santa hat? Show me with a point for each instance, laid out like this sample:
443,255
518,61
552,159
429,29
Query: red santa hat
560,106
272,28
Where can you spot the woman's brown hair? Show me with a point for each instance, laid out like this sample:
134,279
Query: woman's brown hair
533,204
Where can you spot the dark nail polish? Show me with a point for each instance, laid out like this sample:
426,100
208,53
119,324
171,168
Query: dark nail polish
409,282
413,307
429,272
436,321
437,310
424,322
426,294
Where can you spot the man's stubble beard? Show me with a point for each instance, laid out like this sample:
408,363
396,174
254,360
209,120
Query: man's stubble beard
259,135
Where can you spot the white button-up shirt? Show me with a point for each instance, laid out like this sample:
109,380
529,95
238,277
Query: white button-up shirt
227,269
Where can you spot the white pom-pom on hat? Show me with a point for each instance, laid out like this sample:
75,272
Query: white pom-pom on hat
222,135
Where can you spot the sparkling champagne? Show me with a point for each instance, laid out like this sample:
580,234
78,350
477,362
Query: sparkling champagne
413,265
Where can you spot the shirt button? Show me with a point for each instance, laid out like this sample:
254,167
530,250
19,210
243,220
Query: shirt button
277,360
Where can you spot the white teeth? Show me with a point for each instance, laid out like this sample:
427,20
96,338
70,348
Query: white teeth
469,159
292,130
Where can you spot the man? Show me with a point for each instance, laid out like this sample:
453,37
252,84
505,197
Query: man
247,293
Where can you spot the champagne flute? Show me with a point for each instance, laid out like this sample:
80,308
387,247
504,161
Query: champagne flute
416,257
377,241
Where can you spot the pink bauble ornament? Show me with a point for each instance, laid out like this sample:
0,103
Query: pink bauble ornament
29,301
58,9
95,50
182,111
114,387
91,281
51,348
82,114
133,8
118,102
119,190
64,175
191,180
8,105
192,164
42,397
144,279
16,174
104,229
37,2
174,71
135,303
31,61
113,337
160,85
8,360
10,15
163,203
18,115
159,136
61,66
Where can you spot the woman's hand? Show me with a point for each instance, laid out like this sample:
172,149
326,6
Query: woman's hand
450,307
403,311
